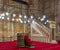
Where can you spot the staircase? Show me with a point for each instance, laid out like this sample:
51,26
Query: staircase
39,32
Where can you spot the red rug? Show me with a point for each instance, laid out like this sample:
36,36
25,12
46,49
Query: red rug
38,46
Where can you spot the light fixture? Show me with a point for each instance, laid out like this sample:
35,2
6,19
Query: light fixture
42,19
28,21
25,22
3,14
7,13
44,16
12,19
7,18
2,17
20,20
20,16
47,21
32,17
14,15
25,16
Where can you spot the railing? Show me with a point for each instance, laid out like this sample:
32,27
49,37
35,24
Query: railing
37,30
43,31
46,28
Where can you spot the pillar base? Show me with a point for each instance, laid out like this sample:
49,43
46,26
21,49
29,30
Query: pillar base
54,42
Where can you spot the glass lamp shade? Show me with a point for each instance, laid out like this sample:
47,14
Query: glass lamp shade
25,16
3,14
20,16
25,22
20,21
32,17
7,13
8,18
12,19
14,15
2,17
44,16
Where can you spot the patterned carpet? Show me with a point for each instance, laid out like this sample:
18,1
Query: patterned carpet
38,46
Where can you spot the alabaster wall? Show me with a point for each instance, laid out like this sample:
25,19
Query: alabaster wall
9,30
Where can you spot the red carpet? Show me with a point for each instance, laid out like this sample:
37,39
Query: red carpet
38,46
